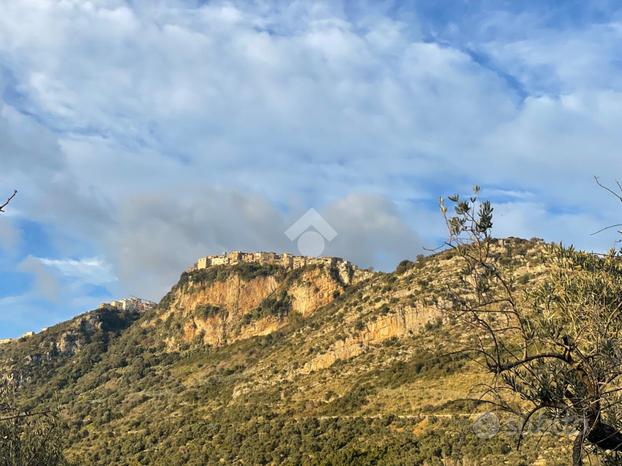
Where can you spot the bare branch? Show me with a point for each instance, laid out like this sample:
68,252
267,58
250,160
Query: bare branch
608,189
8,200
606,228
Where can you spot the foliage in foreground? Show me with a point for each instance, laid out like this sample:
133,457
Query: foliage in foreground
29,438
555,347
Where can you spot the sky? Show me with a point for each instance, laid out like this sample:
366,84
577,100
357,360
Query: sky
143,134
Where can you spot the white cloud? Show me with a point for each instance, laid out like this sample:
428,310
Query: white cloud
9,237
90,270
371,231
533,219
149,134
560,61
46,284
159,236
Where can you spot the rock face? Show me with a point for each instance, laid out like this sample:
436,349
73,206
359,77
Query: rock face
404,322
210,312
316,288
220,304
28,359
70,341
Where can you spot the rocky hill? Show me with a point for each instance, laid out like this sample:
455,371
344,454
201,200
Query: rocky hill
221,304
264,364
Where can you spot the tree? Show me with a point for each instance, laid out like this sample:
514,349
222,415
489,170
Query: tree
28,437
554,348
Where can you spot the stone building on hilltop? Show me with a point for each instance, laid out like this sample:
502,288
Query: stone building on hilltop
129,304
344,268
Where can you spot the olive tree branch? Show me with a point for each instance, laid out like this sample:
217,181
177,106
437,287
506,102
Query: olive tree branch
6,203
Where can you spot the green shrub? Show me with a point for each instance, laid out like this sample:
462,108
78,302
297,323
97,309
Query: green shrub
404,266
277,306
206,311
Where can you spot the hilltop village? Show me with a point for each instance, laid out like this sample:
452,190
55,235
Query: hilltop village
125,304
344,268
129,304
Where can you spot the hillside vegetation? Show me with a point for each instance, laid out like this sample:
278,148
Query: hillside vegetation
262,365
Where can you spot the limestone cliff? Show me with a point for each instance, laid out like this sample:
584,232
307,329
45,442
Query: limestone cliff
221,304
402,323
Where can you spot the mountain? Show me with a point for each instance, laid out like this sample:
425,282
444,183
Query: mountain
265,362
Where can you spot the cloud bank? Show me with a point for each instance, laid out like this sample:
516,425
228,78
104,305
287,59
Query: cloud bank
144,134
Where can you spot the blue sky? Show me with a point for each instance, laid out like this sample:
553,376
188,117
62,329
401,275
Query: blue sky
144,134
